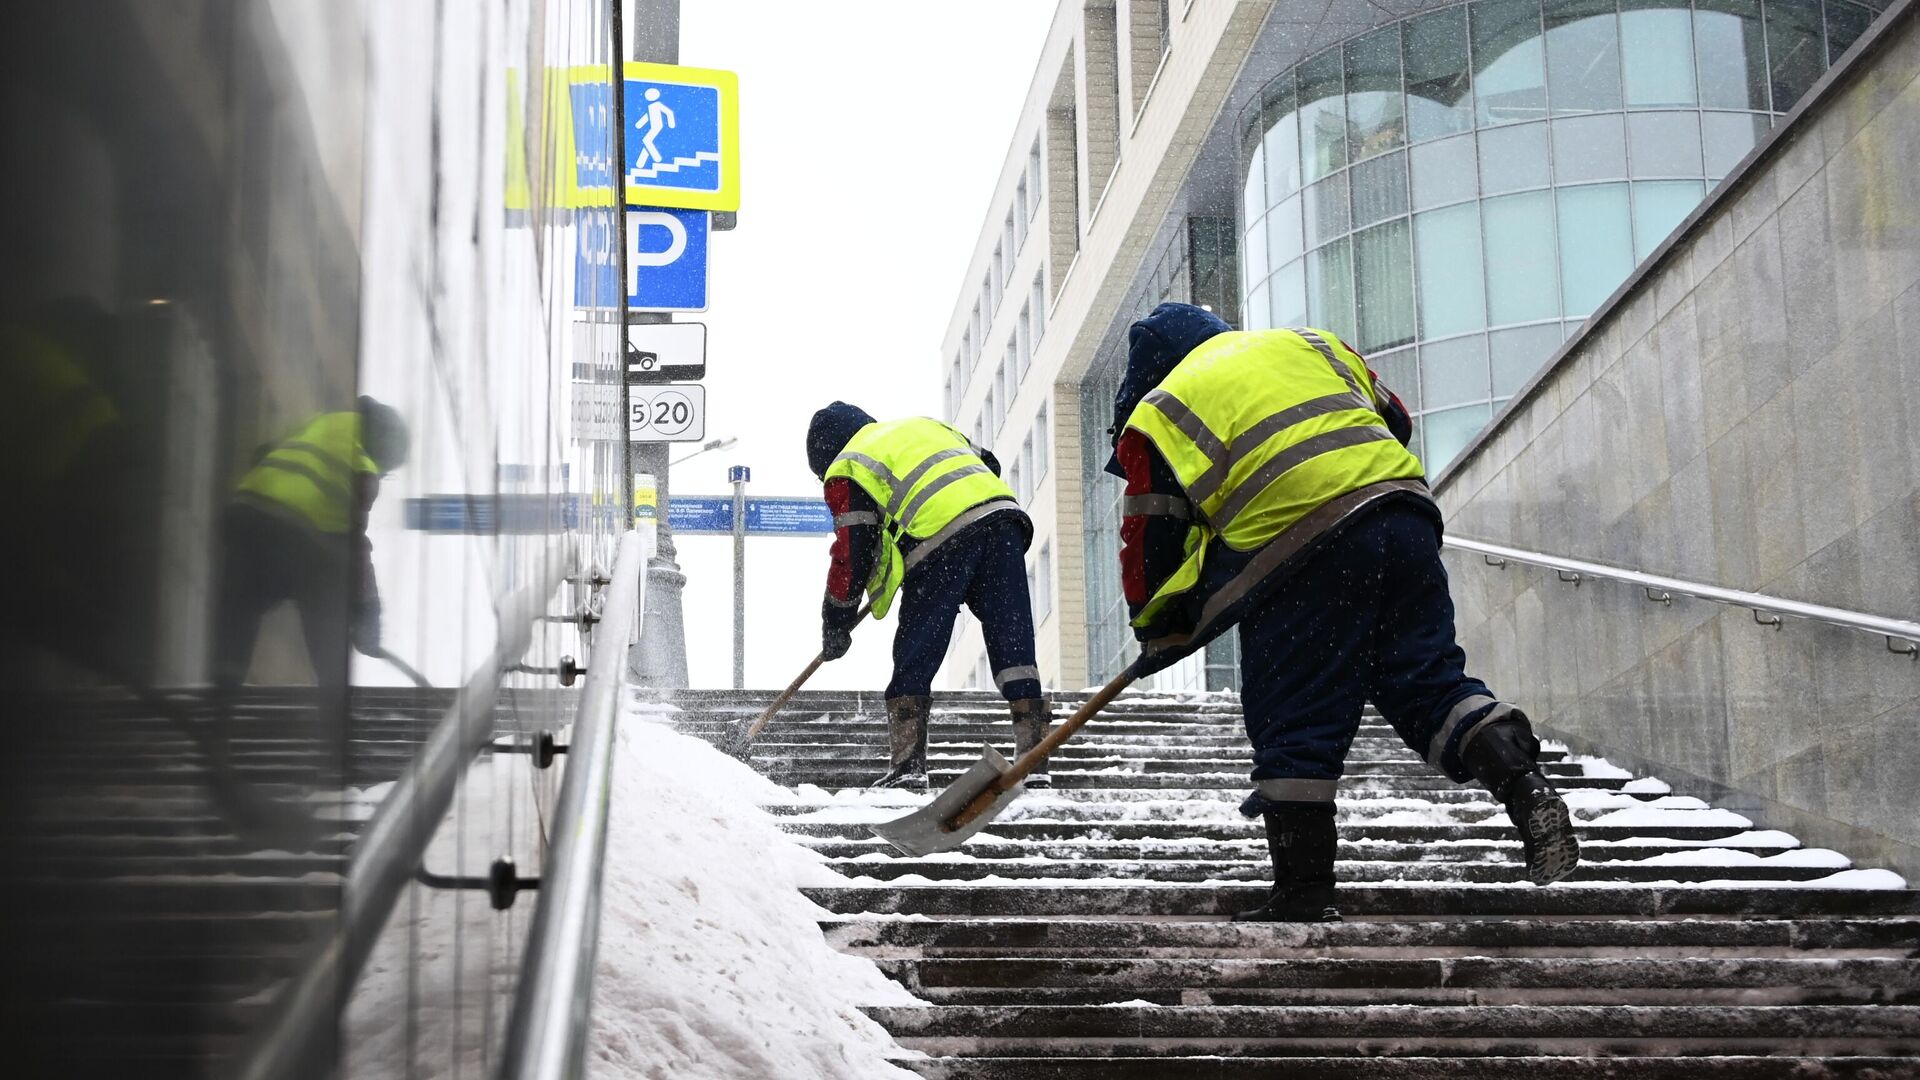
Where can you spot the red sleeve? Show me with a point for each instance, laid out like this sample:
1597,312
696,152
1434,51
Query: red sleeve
1155,517
856,544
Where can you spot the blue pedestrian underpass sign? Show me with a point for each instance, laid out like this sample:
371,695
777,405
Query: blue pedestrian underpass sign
683,137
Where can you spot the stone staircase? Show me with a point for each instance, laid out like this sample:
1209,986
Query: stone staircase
1083,934
146,933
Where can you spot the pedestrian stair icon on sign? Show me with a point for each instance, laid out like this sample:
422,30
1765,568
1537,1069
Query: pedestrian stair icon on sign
675,140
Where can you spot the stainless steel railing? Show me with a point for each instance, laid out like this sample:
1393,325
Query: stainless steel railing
547,1032
294,1039
1901,635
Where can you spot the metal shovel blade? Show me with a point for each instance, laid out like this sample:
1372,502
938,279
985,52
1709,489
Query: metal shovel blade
924,831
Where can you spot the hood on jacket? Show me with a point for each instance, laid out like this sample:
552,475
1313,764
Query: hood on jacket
1155,346
831,430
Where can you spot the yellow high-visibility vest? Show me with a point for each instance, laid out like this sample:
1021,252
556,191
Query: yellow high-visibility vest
929,484
1262,428
312,474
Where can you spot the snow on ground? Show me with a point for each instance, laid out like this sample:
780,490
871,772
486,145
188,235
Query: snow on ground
711,961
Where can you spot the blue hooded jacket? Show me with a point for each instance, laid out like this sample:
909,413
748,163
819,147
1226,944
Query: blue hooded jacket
831,430
1155,346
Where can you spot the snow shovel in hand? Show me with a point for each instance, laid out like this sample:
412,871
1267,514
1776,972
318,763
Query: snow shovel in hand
742,739
978,796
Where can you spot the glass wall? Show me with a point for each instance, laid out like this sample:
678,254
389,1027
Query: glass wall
1455,192
284,279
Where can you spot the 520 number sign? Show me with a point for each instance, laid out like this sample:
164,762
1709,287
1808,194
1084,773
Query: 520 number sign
674,413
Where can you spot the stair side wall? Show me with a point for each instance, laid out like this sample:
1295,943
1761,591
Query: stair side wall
1745,411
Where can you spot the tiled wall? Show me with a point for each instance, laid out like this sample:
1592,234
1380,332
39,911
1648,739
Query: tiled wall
1747,414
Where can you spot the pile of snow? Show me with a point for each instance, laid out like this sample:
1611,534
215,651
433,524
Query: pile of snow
711,962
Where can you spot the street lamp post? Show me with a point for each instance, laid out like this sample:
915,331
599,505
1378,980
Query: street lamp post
716,444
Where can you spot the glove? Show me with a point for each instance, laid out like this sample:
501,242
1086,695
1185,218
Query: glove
365,631
835,643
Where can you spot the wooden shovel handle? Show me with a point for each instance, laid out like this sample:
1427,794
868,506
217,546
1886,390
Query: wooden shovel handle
792,689
1031,760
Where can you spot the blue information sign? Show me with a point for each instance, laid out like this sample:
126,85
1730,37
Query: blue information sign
768,516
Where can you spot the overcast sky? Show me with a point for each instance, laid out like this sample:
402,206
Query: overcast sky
872,132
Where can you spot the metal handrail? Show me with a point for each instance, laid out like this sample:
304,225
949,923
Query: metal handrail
547,1032
290,1043
1767,610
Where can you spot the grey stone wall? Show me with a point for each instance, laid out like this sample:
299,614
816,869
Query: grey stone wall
1745,412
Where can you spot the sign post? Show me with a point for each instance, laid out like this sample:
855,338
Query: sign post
738,475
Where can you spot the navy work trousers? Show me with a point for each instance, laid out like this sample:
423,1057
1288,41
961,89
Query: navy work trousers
1366,617
984,568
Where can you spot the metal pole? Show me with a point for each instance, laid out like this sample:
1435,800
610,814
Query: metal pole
660,660
739,475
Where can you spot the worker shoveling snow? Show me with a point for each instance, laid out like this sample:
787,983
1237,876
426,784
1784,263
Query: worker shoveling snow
711,962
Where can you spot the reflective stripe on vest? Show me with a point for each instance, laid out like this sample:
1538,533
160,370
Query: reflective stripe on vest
312,473
1262,428
928,481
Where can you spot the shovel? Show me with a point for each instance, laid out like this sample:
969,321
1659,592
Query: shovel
978,796
737,745
403,667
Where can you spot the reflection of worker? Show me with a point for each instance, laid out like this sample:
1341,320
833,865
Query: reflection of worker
658,119
297,530
919,509
1268,485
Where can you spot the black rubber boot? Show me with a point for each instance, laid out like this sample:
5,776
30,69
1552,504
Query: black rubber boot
1032,720
1302,843
1505,756
907,739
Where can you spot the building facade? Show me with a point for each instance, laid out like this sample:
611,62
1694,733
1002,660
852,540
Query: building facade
1451,187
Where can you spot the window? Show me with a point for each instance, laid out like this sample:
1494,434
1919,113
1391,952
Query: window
1330,288
1033,171
1039,308
993,282
1596,245
1029,471
1328,215
1583,56
1023,337
989,413
1453,372
1447,433
1376,108
1730,54
1795,55
1727,137
1522,284
1446,245
1383,263
1509,77
1659,208
1664,144
1845,23
1513,158
1010,373
1444,171
1518,353
1287,295
1017,479
1042,444
1439,86
1283,238
1323,114
1657,46
1012,245
1281,145
1589,148
1040,584
1379,189
1020,216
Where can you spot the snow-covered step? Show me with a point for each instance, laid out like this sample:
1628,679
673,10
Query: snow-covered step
1890,938
1424,1030
1083,933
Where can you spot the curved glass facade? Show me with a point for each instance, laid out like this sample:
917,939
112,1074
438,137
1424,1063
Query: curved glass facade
1455,192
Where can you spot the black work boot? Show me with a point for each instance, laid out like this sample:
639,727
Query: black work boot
907,739
1505,756
1302,843
1032,720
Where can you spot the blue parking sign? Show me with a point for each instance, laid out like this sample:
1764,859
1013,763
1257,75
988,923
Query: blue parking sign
666,260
